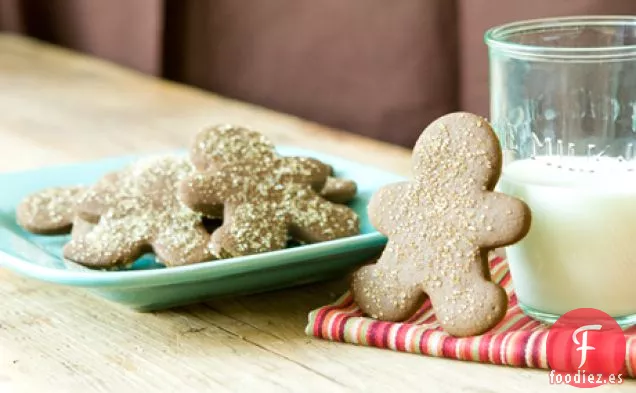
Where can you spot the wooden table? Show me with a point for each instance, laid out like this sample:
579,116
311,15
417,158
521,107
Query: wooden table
60,107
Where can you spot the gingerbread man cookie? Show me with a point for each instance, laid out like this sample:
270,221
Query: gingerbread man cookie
440,227
139,210
265,198
226,144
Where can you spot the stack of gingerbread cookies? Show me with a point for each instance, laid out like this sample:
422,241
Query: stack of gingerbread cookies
233,195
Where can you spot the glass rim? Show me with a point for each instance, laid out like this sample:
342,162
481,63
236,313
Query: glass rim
497,37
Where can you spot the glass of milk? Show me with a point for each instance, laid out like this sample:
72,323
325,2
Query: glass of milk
563,102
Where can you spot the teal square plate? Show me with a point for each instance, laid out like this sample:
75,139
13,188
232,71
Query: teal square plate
148,286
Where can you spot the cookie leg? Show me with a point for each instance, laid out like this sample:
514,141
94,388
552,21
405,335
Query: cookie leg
468,307
250,230
384,291
317,220
339,190
183,246
106,246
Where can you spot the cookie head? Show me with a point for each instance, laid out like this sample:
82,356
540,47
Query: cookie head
440,227
459,148
49,211
228,144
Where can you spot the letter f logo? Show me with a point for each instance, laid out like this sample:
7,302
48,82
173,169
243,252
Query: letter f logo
583,347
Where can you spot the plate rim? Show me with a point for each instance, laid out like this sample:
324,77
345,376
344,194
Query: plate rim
188,273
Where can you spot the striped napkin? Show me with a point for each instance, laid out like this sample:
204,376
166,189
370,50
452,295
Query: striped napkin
516,341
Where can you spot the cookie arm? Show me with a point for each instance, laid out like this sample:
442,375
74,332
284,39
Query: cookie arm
385,204
205,192
306,171
507,221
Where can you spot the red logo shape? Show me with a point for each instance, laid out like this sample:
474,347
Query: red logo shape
586,348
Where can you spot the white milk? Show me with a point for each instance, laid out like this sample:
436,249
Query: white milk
581,248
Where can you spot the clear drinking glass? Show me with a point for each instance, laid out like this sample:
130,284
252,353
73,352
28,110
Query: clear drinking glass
563,102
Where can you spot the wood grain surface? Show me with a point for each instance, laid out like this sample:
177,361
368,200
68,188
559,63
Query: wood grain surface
60,107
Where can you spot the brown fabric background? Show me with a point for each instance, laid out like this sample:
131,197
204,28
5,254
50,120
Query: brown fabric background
124,31
374,68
